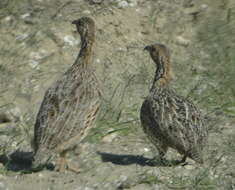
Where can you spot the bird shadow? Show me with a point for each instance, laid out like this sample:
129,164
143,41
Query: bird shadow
126,159
19,161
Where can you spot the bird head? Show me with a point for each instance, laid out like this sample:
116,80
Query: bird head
158,52
84,25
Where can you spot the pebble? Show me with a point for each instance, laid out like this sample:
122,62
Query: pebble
84,188
25,15
86,12
97,60
189,167
70,40
36,88
182,41
97,1
204,6
35,58
123,4
16,112
33,64
21,37
8,18
146,149
109,138
88,188
133,3
37,55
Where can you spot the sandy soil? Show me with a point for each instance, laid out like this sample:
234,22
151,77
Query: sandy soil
38,43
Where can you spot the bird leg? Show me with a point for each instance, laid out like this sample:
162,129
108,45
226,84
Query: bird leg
182,162
73,168
62,164
183,159
160,159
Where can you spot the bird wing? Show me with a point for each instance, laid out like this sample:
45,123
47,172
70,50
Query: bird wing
177,118
68,109
187,119
47,114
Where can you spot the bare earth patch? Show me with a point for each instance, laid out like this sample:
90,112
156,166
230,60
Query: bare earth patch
38,43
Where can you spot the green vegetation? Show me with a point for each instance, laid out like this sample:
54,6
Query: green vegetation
216,37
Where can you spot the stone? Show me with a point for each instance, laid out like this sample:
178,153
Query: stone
182,41
123,4
97,1
109,138
70,40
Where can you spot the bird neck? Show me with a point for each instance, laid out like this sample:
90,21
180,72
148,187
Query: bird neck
85,53
162,76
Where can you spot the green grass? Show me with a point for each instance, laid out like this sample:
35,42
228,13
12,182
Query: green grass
216,38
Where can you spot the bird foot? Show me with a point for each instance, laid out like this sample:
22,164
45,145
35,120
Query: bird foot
182,162
62,164
157,161
73,168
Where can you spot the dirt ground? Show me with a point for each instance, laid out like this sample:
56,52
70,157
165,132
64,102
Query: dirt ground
38,43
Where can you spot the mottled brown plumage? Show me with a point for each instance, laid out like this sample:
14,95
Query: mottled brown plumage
70,105
169,120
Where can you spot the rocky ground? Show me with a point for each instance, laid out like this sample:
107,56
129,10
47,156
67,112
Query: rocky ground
38,43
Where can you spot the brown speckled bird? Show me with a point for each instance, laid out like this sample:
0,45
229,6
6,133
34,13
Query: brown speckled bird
169,120
70,105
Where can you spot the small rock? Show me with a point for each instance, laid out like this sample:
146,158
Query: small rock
35,58
109,138
25,15
133,3
88,188
96,1
182,41
123,4
189,167
33,64
22,37
86,12
15,112
140,187
70,40
8,18
38,55
204,6
97,60
36,88
146,149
